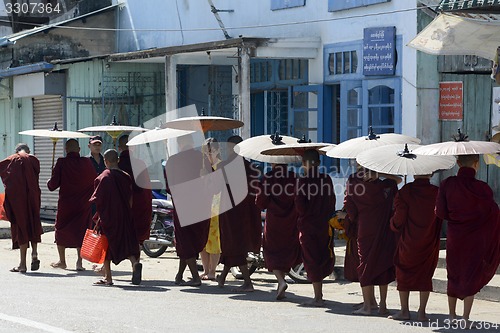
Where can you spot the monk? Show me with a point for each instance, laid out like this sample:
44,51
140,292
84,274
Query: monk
240,226
368,203
19,174
473,235
281,237
142,196
113,199
191,234
315,204
417,250
74,176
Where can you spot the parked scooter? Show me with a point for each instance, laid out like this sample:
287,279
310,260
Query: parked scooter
162,226
256,261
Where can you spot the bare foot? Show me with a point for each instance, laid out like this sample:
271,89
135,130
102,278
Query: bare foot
178,280
281,291
400,316
191,283
314,303
220,281
362,312
245,288
58,265
360,305
383,312
422,317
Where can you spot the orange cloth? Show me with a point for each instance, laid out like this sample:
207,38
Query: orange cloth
2,211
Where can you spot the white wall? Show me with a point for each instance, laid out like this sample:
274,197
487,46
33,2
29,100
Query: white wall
255,19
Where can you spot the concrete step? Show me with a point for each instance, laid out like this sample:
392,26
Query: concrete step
490,292
47,226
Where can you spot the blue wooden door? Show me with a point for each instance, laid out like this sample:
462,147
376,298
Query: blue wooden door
305,116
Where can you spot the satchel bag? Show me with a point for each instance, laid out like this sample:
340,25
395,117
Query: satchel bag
94,246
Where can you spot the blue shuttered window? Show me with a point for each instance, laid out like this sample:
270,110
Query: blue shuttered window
336,5
284,4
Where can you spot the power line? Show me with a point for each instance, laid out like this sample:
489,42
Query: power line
236,28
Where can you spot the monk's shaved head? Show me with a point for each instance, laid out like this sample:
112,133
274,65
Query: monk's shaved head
311,156
72,146
111,156
22,147
122,142
467,160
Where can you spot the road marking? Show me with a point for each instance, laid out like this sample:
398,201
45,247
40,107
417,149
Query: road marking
31,323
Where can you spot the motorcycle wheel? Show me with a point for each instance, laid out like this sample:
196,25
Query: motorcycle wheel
237,273
152,250
149,247
298,274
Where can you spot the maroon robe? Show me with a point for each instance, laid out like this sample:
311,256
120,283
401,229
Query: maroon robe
74,176
473,234
351,259
22,203
142,196
113,199
417,250
315,204
183,167
281,236
369,205
241,226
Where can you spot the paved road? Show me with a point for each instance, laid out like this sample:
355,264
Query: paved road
52,300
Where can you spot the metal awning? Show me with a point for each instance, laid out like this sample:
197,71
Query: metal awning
451,34
218,52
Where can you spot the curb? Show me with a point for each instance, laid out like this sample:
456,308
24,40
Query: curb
47,226
488,293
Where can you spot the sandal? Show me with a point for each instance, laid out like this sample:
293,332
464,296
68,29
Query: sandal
35,264
103,282
137,274
17,270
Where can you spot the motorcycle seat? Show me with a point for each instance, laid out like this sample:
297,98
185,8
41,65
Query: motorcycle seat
162,203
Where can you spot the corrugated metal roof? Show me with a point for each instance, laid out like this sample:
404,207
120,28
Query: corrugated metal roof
11,39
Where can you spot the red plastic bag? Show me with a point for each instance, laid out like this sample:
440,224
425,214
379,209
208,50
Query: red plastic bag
3,216
94,246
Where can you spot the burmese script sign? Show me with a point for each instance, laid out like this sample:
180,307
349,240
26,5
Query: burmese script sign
451,101
379,51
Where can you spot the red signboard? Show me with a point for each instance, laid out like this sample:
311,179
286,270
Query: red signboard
451,101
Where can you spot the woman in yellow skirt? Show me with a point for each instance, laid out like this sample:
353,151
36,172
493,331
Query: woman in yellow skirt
211,253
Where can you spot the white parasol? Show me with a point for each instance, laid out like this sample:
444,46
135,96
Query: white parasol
251,148
203,123
493,158
461,146
157,134
353,147
296,149
114,129
399,159
54,134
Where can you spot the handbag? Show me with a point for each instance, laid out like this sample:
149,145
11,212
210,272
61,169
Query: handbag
94,246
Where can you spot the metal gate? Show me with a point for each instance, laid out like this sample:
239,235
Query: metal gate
47,110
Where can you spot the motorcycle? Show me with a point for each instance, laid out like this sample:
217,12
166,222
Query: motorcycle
256,261
162,226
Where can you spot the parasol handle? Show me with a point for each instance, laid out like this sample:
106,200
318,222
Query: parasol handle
54,142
